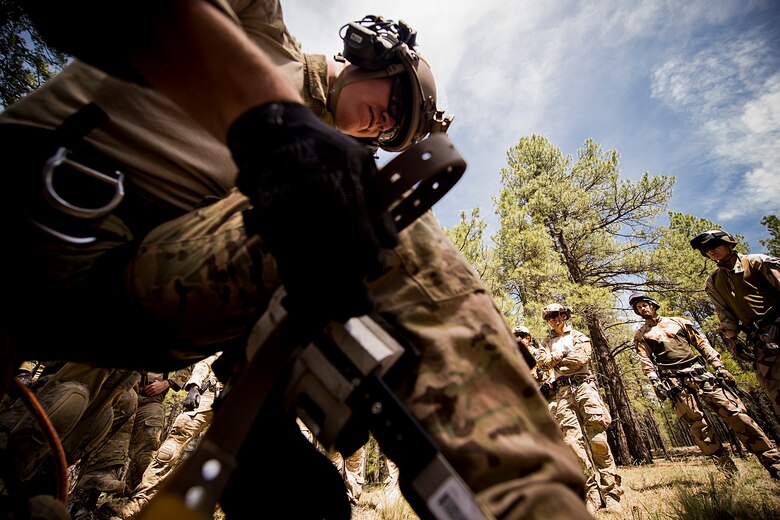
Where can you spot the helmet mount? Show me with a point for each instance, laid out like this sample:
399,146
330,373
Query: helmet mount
386,48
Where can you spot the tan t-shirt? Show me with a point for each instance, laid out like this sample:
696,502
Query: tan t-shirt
165,154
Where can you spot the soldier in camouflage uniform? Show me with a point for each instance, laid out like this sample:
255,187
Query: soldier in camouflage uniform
202,389
79,401
103,470
569,423
191,279
664,346
133,442
582,415
745,291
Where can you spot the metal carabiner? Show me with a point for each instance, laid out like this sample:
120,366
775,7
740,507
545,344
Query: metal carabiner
60,158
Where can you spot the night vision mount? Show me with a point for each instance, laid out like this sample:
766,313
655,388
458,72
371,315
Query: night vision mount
373,42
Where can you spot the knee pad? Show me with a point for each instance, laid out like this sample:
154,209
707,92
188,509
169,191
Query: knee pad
65,404
167,452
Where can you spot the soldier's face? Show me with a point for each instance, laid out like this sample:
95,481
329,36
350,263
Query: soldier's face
362,109
645,310
523,339
556,321
719,253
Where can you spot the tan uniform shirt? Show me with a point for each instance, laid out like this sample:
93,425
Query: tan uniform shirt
169,159
741,295
669,340
577,348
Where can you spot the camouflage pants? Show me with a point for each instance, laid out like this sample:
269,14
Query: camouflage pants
78,400
145,438
768,369
730,408
208,282
584,420
113,455
352,469
186,427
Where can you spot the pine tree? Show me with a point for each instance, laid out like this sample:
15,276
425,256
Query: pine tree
573,232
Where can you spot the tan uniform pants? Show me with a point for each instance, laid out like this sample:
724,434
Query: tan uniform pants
584,420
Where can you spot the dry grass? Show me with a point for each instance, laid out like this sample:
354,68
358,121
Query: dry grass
693,489
687,488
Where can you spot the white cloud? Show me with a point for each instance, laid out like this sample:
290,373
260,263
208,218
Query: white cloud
731,91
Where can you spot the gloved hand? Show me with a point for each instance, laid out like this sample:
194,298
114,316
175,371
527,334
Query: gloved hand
722,373
314,206
658,388
24,377
192,400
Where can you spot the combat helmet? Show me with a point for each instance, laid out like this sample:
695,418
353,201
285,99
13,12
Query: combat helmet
385,48
554,308
709,239
520,330
641,297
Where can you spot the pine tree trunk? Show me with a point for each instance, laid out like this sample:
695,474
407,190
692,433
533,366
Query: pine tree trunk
629,445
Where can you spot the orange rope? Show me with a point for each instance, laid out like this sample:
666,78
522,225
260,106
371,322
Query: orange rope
58,453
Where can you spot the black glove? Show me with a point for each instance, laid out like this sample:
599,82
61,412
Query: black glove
658,388
192,400
24,377
722,373
314,206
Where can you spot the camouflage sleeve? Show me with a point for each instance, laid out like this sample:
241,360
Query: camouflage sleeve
728,322
179,378
542,356
579,356
643,351
700,343
201,371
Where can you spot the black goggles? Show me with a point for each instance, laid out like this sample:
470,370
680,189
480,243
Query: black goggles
707,241
522,335
551,315
396,107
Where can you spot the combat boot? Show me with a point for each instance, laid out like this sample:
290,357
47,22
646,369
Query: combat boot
593,501
114,510
770,459
103,481
613,504
726,465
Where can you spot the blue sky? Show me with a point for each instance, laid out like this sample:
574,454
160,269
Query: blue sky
690,89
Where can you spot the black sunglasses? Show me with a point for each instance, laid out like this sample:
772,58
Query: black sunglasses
522,335
396,107
552,315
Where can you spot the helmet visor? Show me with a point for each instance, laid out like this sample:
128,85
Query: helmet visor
396,107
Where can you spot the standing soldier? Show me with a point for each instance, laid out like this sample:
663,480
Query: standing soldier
578,405
202,389
569,424
675,371
745,290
